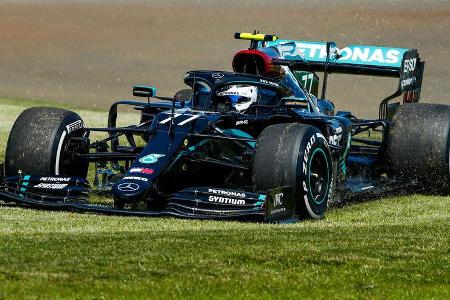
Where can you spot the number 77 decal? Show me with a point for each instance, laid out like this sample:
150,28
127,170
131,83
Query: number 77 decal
305,79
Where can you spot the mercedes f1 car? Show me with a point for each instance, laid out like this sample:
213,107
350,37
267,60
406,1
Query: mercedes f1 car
257,143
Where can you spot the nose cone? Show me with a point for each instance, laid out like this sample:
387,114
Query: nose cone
130,190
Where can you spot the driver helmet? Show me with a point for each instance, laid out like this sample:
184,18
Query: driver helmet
239,96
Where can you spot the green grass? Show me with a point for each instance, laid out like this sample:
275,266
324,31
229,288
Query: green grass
389,248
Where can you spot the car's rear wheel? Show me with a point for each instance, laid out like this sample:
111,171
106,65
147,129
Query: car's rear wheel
44,140
419,145
295,155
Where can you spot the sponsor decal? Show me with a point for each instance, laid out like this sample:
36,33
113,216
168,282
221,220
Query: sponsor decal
136,178
229,93
277,202
370,54
410,65
300,104
147,171
217,75
151,158
407,82
269,82
336,138
128,187
226,200
55,179
242,122
74,126
307,150
279,210
52,186
316,51
278,199
305,188
226,193
247,91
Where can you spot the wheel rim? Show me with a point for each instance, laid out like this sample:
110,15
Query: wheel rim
318,176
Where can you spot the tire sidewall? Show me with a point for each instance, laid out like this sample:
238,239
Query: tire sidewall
70,126
313,143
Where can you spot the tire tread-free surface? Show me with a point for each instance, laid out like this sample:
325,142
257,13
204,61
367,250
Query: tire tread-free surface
34,138
419,142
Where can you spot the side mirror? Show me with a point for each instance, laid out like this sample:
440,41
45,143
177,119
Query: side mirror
144,91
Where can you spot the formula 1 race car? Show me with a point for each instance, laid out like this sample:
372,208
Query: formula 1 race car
257,143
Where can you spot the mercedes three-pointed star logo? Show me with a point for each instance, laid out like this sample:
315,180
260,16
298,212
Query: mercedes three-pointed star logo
217,75
128,187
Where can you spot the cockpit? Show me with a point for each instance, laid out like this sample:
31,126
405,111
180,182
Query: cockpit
235,96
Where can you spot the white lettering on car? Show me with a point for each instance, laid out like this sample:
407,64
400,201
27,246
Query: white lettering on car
336,138
307,150
135,178
52,186
225,200
55,179
269,82
226,193
351,53
74,126
409,81
278,199
409,65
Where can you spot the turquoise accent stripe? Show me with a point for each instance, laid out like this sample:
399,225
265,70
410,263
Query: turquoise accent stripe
261,199
26,177
23,189
201,143
25,183
239,133
309,177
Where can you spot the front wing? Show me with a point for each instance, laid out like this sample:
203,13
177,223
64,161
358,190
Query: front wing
71,194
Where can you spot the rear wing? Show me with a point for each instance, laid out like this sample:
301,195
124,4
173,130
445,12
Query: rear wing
401,63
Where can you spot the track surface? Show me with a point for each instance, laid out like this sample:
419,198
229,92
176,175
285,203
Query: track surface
90,52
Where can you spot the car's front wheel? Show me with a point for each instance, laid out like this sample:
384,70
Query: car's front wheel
43,141
295,155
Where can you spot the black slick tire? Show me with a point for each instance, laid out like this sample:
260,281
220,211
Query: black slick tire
419,145
295,155
38,141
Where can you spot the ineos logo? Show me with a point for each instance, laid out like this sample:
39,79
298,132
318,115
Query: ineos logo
128,187
217,75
